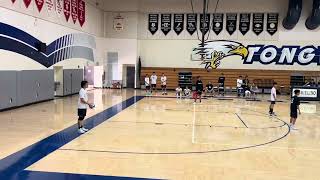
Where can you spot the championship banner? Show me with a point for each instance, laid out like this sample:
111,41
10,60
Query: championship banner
165,23
118,23
67,9
27,3
244,24
191,23
204,23
153,23
50,6
178,23
74,10
257,23
59,7
217,23
39,4
81,12
13,1
231,24
272,23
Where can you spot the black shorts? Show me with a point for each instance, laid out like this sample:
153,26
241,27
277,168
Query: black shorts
273,102
147,87
293,114
199,92
164,86
82,113
153,85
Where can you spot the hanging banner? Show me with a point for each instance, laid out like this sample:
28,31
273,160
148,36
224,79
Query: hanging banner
59,7
244,23
13,1
272,23
231,24
50,6
165,23
39,4
27,3
204,23
67,9
153,23
178,23
217,23
81,12
118,23
74,10
191,23
257,23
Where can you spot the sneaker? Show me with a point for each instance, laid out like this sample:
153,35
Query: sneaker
84,129
81,131
293,128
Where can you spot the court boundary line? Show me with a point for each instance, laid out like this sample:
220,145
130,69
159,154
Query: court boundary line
241,120
13,165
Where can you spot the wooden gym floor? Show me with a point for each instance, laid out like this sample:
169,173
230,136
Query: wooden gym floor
159,138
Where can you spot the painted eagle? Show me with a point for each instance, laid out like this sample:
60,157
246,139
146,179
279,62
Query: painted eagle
214,51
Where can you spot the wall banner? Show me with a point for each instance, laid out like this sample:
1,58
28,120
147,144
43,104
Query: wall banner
257,23
153,23
244,24
166,23
217,23
178,23
272,23
192,23
231,24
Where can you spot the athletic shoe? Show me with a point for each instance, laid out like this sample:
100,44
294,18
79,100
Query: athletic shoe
293,128
84,129
81,131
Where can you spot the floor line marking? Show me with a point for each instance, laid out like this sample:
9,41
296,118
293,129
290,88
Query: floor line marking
241,120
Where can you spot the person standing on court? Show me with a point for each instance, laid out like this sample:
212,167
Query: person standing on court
153,82
147,83
199,89
82,106
239,86
221,84
164,84
294,108
273,99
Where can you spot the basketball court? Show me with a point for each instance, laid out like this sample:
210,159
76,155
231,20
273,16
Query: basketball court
131,57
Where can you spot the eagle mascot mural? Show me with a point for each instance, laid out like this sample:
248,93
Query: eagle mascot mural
213,52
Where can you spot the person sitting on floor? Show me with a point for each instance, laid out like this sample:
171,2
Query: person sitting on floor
179,92
209,89
187,92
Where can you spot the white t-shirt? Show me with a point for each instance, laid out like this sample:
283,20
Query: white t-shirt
154,79
273,94
82,94
187,91
178,89
239,82
147,81
163,80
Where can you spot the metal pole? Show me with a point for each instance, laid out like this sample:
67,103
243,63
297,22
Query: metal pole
203,21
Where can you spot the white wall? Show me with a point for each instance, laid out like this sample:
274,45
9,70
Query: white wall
46,27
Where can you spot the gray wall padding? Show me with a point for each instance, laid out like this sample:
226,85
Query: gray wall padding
72,81
34,86
8,89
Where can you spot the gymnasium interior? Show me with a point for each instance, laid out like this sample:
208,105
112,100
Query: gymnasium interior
139,124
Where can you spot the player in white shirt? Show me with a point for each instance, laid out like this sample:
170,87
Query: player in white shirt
153,81
273,98
239,86
164,84
187,92
147,83
179,92
82,106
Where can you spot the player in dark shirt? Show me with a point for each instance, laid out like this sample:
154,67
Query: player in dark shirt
221,84
199,89
294,108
